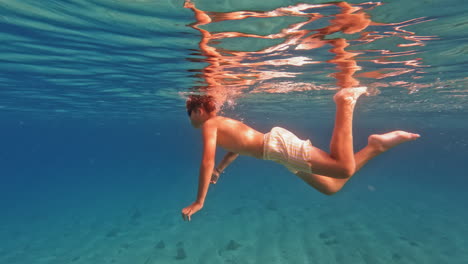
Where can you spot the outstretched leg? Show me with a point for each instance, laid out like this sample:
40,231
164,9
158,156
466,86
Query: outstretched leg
377,144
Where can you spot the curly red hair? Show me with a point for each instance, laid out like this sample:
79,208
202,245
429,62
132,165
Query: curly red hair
206,102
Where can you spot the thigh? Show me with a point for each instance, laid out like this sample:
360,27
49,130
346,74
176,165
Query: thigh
322,163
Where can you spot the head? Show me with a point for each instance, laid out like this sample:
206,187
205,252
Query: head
200,108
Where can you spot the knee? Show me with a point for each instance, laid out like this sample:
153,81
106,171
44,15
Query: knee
347,171
328,193
331,190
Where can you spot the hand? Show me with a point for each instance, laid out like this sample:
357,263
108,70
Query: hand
214,176
188,211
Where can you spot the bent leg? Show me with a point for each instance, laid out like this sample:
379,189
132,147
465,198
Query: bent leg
377,144
328,185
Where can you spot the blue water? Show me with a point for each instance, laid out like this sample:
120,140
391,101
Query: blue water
98,158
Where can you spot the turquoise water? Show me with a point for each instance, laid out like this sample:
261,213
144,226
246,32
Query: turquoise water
98,157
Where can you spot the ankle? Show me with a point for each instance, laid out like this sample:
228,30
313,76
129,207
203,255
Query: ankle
375,146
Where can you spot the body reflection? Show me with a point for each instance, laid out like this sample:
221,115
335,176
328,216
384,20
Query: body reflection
234,72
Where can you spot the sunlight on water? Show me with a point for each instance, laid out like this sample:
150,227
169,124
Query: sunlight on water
305,49
134,58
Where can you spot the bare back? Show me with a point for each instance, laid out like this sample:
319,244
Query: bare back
237,137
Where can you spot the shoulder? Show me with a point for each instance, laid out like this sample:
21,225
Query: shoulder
214,122
221,122
211,125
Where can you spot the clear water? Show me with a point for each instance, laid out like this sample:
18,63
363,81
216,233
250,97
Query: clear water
98,157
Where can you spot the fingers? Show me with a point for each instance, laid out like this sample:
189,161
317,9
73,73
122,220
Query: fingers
188,211
186,214
214,178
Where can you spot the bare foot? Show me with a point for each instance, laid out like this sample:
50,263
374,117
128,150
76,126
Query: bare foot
389,140
188,4
349,95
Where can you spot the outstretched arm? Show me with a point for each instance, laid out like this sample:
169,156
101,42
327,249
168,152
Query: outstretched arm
209,132
228,158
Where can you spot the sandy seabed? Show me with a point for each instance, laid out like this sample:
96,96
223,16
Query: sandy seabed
364,225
